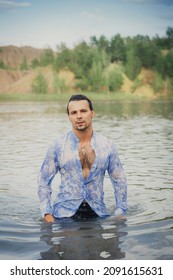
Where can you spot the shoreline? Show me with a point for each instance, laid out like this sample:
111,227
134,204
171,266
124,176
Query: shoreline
34,97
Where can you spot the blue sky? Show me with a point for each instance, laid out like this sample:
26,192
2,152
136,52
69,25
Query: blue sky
48,23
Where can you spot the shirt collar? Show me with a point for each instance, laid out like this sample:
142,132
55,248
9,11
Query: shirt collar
74,136
76,139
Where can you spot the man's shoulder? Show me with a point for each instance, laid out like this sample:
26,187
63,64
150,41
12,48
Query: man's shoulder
103,141
61,138
103,138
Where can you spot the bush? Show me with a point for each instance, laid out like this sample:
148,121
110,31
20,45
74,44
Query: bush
59,85
170,87
82,84
2,65
35,63
158,83
40,85
96,77
133,64
114,80
137,83
24,64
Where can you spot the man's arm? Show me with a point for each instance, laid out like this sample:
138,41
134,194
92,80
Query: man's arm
118,179
47,172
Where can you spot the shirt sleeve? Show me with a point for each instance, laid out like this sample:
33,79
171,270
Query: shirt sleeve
47,172
118,179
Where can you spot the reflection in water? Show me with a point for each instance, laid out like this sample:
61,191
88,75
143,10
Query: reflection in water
90,240
127,109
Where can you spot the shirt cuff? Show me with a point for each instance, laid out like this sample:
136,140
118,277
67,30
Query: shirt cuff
119,211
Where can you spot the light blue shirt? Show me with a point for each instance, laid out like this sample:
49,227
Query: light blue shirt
63,157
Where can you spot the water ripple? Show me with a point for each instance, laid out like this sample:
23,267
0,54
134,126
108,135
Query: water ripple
143,134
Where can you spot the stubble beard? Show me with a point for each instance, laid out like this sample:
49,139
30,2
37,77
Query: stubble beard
83,128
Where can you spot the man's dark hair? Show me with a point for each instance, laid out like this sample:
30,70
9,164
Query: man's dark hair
78,97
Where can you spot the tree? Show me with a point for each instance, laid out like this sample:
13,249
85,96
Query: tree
35,63
40,85
96,78
83,58
2,65
169,64
169,33
24,64
133,64
102,43
114,80
59,85
164,65
146,51
64,59
117,49
47,57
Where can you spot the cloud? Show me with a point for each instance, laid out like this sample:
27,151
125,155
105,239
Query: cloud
92,15
9,5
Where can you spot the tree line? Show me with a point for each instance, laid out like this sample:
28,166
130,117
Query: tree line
90,62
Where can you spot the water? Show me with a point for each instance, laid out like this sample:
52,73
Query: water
143,133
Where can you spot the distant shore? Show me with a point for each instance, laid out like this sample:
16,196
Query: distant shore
35,97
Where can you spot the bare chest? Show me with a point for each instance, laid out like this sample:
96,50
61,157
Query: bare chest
87,157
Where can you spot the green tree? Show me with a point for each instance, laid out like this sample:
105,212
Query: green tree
101,44
40,85
114,80
158,83
169,64
96,78
160,65
64,59
117,49
133,64
83,56
35,63
169,33
47,57
146,51
59,85
2,65
24,64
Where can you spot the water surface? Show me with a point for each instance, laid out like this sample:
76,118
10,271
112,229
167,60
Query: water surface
143,133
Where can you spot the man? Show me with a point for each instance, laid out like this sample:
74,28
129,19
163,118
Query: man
82,157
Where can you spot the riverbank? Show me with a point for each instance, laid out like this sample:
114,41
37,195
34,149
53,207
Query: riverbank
33,97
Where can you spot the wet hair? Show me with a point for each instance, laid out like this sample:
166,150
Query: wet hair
78,97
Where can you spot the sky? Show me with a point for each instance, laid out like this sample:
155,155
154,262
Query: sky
48,23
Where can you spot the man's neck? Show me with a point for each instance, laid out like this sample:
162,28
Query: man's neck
85,135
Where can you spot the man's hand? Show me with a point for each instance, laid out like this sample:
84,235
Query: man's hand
120,217
49,218
117,218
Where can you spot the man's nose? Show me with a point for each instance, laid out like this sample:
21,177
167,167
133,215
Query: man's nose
79,115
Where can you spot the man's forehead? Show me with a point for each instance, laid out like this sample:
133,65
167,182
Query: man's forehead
78,104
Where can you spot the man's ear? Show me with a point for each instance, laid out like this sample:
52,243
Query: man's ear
93,113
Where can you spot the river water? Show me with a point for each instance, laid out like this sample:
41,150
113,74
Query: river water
143,133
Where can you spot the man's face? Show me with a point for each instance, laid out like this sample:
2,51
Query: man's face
80,114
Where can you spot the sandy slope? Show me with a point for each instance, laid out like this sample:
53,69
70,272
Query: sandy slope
17,81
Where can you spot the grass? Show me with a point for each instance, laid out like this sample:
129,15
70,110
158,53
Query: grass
36,97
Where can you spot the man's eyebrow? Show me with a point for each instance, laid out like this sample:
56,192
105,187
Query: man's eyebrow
83,109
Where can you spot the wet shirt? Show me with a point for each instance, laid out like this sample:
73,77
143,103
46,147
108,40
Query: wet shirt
63,158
